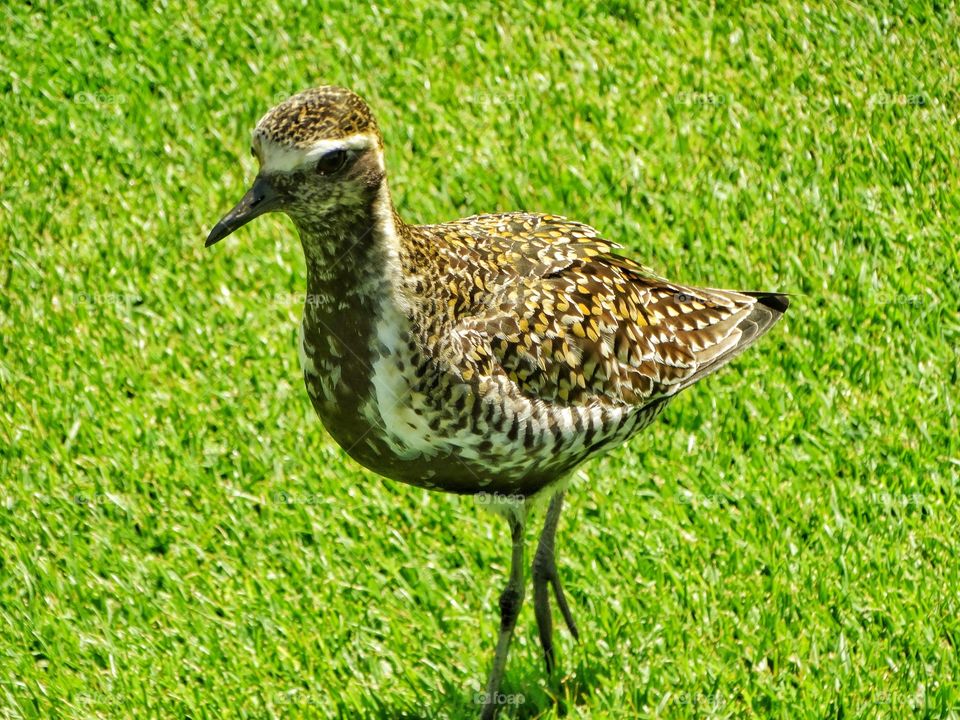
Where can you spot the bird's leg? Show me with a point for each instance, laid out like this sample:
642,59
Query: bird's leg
510,601
544,571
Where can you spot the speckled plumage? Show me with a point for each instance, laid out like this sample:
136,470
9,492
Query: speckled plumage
316,114
518,344
492,354
526,346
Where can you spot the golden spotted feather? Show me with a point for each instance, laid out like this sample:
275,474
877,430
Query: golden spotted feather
544,300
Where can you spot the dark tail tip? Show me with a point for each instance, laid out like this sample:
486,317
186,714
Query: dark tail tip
778,302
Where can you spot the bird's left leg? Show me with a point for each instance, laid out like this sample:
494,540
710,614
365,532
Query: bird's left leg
544,572
510,601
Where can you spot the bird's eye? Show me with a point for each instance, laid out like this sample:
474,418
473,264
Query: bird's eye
331,162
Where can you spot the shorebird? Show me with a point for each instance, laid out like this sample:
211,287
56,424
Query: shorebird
490,355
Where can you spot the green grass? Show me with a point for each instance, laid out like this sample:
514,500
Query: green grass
180,538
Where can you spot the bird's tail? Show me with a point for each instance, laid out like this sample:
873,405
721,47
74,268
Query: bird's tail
756,314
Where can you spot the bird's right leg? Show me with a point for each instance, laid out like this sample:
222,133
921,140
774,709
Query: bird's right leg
545,571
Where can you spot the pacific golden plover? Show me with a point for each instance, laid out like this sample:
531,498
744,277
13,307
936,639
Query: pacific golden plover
492,354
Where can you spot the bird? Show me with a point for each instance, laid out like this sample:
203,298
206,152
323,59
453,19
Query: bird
489,356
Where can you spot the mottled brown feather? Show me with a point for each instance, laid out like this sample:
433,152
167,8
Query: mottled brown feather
544,300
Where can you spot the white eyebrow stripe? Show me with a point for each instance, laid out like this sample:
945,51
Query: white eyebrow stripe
280,158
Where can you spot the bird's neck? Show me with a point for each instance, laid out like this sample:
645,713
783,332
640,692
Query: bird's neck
353,255
353,307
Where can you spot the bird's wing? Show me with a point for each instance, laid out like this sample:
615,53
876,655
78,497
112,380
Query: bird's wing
574,323
498,249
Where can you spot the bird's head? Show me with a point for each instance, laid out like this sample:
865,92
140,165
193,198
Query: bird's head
320,152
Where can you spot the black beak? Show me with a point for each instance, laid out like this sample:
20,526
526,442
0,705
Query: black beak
261,198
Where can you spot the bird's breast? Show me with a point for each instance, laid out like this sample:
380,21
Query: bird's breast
361,372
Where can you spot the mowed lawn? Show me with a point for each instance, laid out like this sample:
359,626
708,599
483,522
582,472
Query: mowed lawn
179,536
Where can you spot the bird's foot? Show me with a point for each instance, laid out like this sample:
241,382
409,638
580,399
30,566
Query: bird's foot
544,573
